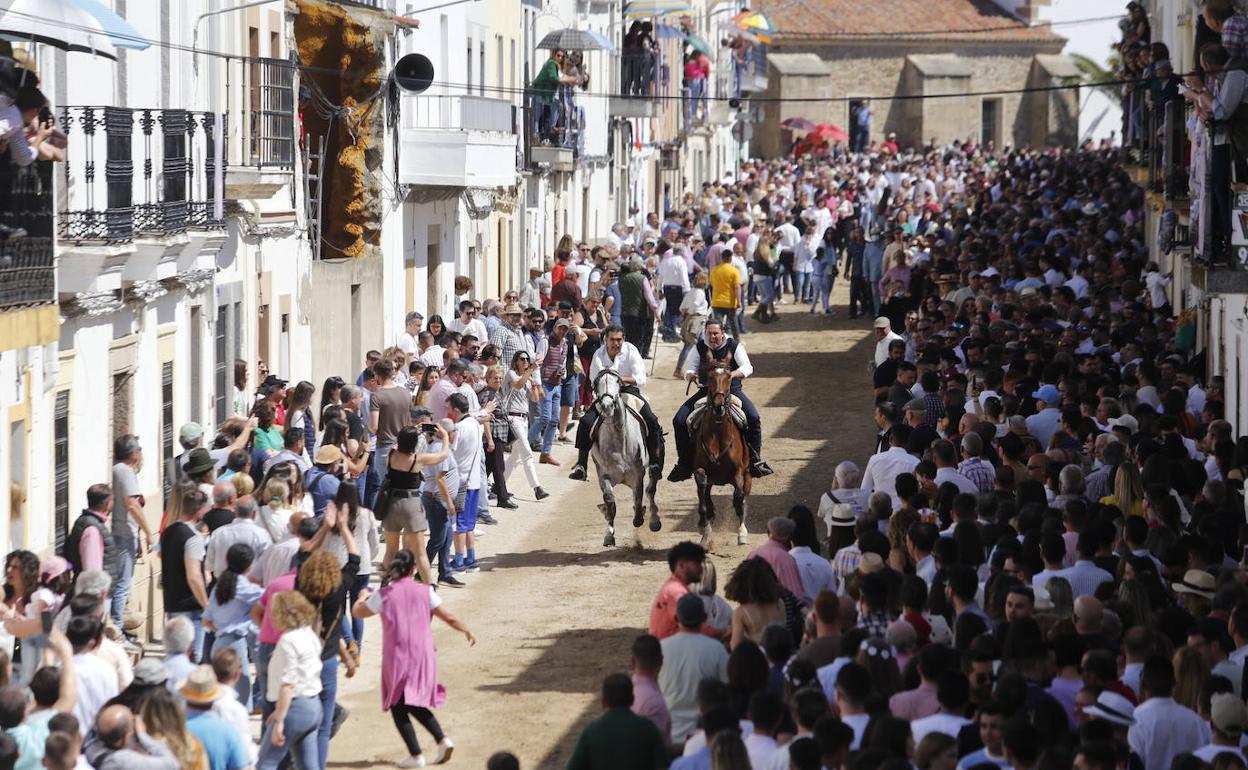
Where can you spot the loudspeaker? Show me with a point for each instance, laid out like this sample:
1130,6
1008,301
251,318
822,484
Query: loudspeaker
413,73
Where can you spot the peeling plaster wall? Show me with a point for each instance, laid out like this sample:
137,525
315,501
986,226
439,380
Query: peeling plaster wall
345,54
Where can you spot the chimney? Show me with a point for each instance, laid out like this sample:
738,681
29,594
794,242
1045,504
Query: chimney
1027,11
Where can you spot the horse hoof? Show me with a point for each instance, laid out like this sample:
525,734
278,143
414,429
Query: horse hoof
609,541
656,524
742,540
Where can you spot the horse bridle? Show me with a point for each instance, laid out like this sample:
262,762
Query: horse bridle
598,379
718,401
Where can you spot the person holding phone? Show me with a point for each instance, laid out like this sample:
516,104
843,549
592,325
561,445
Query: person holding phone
405,522
437,495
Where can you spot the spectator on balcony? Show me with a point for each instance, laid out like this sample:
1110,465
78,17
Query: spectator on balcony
1220,98
545,96
697,70
15,114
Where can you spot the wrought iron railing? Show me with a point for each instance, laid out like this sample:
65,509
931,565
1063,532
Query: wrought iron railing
27,265
159,173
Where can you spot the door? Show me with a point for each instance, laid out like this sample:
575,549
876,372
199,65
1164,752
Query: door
990,121
433,266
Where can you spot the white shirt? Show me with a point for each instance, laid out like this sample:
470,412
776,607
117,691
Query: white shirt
926,569
742,271
694,303
1210,752
467,449
407,343
296,661
881,346
674,272
740,358
949,724
433,356
13,133
688,658
884,468
475,327
97,684
275,522
229,710
760,748
815,571
246,531
952,476
1084,578
858,723
628,363
789,236
1164,729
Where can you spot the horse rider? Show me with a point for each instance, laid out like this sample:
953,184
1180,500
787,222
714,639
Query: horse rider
623,358
716,347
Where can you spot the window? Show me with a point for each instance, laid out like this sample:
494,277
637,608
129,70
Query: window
469,83
221,364
990,120
60,465
119,174
197,360
122,382
175,164
166,421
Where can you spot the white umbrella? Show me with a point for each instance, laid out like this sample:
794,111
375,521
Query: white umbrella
58,23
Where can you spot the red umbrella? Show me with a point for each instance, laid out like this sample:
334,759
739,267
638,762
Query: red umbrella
799,124
831,133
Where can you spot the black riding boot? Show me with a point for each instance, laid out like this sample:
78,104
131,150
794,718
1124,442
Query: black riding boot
584,435
758,466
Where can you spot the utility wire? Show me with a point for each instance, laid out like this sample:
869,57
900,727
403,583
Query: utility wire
327,106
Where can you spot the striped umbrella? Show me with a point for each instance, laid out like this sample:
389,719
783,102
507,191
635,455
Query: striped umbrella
644,9
756,23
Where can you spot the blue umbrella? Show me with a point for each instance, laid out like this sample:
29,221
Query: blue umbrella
121,32
602,39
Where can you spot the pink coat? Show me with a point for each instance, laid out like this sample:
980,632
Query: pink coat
409,661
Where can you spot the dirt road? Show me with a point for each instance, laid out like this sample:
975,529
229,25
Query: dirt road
554,611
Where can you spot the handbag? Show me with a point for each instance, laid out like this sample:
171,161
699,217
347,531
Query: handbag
385,495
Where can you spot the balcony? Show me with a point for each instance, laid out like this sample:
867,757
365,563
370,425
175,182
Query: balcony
457,141
750,72
27,267
555,135
264,161
158,167
637,85
1218,217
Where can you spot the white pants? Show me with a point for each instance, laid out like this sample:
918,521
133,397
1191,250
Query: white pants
520,452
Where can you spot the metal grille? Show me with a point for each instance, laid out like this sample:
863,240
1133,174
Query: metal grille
60,461
273,118
220,366
27,265
166,421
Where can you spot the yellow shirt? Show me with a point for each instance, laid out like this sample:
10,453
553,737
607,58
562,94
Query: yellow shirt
724,282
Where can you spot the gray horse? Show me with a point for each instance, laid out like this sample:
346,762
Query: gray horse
620,456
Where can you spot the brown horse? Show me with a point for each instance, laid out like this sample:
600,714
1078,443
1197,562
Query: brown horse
720,455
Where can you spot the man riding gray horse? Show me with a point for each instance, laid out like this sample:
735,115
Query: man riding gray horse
623,358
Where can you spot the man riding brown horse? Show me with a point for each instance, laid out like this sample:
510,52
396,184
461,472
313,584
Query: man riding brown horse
716,347
720,455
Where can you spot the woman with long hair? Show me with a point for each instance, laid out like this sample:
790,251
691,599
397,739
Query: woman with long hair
758,594
326,583
728,751
437,327
1191,669
275,508
363,528
354,453
748,673
329,396
44,591
427,380
878,658
404,521
1128,495
240,401
299,415
409,668
294,684
229,613
165,720
520,385
766,274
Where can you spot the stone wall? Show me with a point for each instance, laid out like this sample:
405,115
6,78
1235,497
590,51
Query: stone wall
873,69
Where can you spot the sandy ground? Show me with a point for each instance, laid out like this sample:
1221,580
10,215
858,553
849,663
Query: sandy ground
554,611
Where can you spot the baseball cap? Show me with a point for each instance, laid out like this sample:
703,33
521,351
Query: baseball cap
1126,422
690,611
192,432
882,322
1228,714
150,672
1048,394
989,272
563,323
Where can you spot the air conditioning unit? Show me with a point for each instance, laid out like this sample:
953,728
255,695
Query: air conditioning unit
669,160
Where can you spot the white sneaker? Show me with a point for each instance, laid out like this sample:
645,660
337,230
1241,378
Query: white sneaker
416,760
445,749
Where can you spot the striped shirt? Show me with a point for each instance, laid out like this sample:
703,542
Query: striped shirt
981,473
509,341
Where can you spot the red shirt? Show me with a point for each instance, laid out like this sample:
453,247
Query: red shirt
556,273
663,612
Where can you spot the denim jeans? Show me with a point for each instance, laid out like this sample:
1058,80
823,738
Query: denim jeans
259,693
439,532
197,621
767,286
370,482
357,624
243,644
121,589
802,287
329,696
543,428
302,721
823,289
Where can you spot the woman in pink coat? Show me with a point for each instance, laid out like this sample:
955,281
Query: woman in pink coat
409,663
